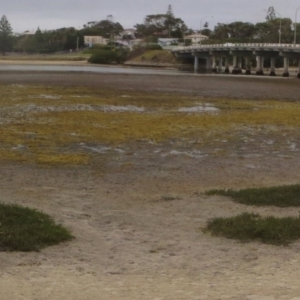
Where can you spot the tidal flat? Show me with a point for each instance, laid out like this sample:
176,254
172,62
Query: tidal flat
124,161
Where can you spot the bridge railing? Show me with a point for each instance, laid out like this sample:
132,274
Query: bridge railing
239,45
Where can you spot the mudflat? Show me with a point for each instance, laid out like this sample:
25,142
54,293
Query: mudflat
137,209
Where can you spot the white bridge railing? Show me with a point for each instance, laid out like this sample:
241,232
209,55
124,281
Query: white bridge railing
238,46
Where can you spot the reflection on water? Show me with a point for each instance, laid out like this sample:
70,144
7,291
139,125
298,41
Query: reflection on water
93,69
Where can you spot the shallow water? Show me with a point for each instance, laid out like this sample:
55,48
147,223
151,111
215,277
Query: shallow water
92,69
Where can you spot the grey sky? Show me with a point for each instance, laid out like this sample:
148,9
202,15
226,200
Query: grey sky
30,14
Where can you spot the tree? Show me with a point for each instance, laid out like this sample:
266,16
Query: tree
6,38
108,28
236,32
206,31
161,25
271,14
268,32
170,11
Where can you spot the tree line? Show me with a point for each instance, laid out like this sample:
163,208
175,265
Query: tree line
154,26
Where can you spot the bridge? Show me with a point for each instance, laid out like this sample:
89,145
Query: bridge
218,57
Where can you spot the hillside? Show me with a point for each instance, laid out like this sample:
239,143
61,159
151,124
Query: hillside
162,58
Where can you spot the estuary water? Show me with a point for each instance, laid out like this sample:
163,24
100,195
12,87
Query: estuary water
92,69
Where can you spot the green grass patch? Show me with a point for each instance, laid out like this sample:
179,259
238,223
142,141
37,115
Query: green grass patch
252,227
281,196
45,124
25,229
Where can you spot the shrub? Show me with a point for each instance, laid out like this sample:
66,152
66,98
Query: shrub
121,55
281,196
109,56
248,227
25,229
103,57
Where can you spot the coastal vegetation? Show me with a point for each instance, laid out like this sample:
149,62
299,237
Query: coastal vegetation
281,196
248,227
26,229
47,124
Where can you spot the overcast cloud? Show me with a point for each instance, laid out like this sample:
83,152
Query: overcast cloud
30,14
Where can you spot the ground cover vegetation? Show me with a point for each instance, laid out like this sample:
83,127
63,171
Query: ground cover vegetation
281,196
248,227
47,125
25,229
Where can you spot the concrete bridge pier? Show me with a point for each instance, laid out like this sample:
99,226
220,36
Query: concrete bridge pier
247,66
196,64
226,65
259,65
220,64
208,64
214,64
235,65
239,69
272,71
286,61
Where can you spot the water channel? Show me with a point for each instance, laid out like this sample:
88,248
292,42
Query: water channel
92,69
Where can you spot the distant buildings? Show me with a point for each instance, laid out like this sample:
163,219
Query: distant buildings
196,38
164,42
94,40
125,38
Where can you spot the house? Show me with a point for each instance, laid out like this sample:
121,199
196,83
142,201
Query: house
164,42
94,40
128,34
196,38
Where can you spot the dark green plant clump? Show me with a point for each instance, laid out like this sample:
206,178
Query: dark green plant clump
109,56
248,227
25,229
281,196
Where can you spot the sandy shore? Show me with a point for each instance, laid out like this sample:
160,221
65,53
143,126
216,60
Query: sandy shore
138,226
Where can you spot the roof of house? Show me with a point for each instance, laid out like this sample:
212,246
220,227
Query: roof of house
196,35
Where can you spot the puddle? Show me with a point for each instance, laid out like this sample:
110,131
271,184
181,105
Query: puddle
127,108
193,154
293,146
207,107
103,149
49,96
18,85
269,142
78,107
45,96
97,149
251,166
18,147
